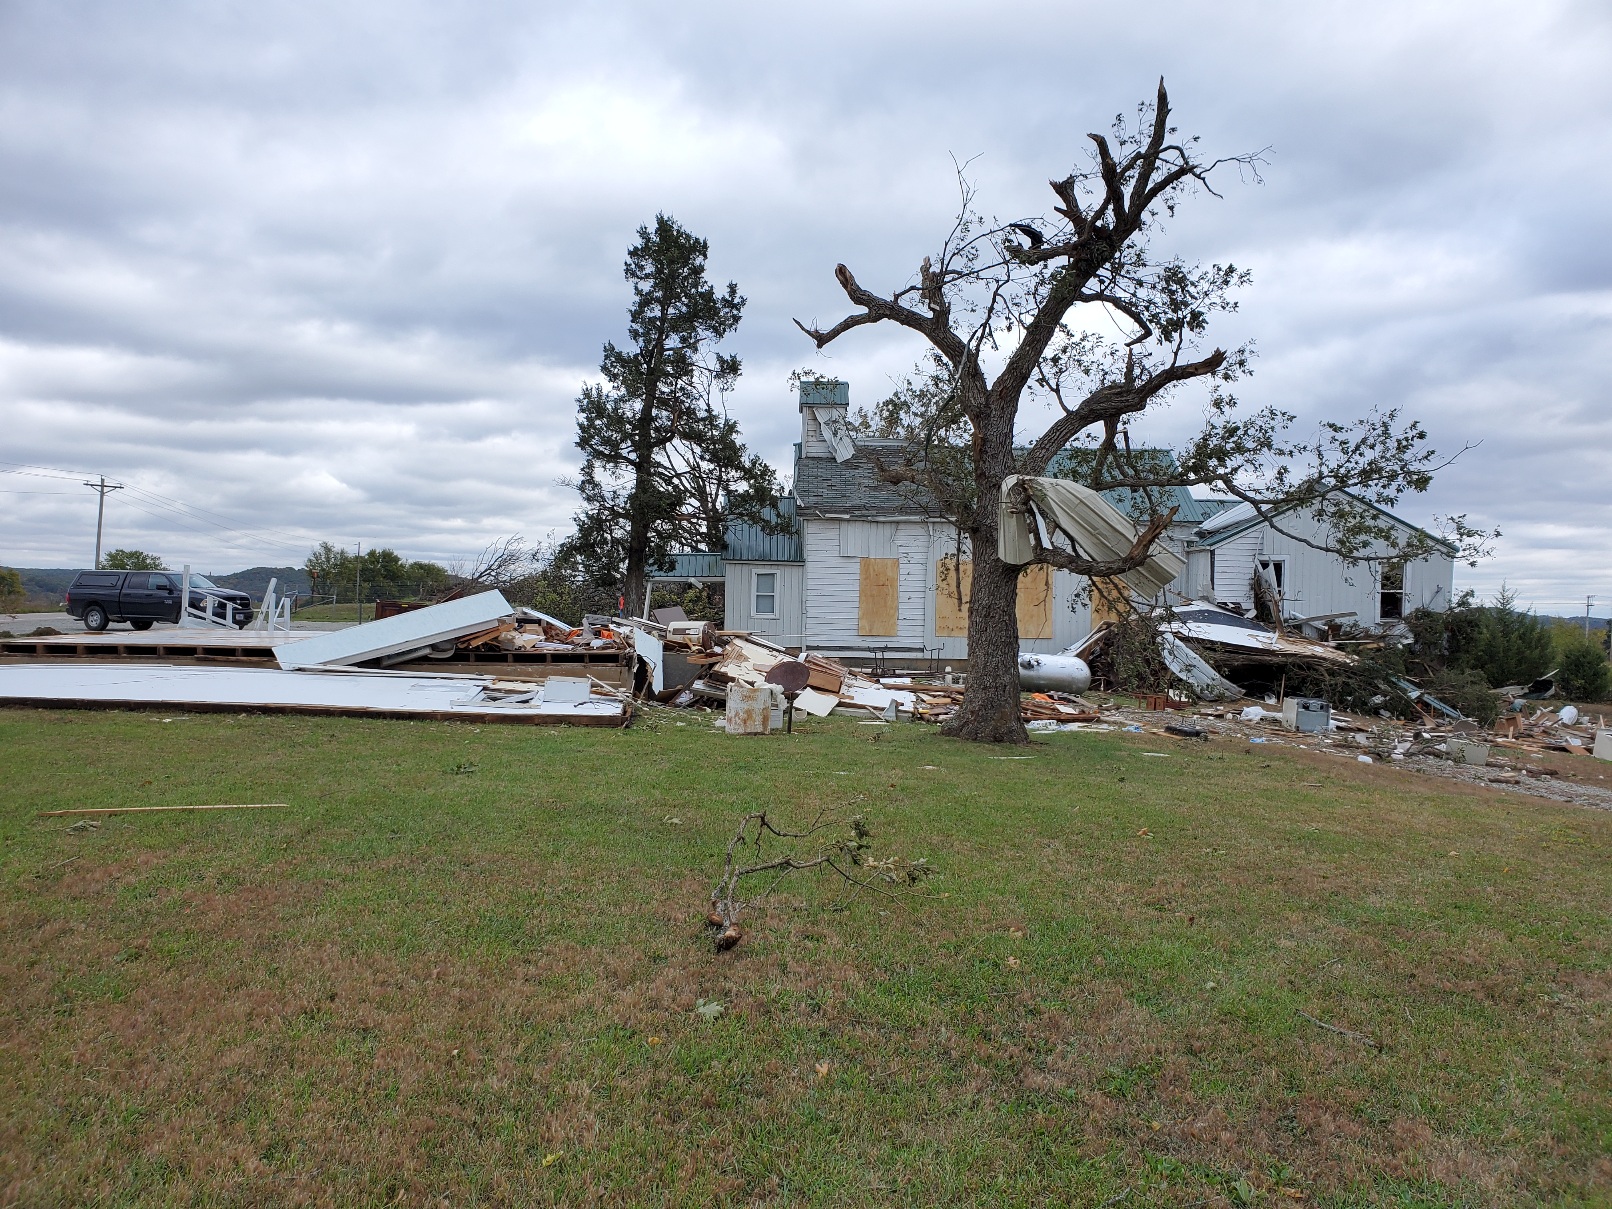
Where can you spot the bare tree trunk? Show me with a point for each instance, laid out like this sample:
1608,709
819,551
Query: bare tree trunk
989,712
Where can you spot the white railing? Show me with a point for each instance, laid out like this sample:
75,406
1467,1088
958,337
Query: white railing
276,611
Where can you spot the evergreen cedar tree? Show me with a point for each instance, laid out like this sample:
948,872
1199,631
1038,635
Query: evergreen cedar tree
995,303
664,467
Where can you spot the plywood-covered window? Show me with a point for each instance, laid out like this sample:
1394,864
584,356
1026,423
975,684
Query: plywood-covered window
1110,600
954,578
954,581
1035,602
878,599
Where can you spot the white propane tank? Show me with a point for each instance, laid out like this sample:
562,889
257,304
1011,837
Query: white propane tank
1053,674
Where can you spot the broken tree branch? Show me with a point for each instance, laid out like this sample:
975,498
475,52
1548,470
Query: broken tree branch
849,850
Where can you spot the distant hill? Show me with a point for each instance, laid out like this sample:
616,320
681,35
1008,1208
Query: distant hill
51,583
1596,623
255,580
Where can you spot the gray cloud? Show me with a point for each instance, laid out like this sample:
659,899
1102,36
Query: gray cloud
337,271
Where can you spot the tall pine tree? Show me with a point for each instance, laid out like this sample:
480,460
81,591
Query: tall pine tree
664,465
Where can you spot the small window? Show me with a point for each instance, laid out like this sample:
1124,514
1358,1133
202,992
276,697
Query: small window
766,594
1391,597
97,579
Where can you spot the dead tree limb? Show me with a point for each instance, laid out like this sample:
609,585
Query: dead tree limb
849,851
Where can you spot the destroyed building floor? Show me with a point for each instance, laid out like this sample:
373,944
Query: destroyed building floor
1579,780
269,690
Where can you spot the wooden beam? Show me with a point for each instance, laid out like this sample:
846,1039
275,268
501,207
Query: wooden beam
52,814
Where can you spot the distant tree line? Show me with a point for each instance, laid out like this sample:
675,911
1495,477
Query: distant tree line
379,574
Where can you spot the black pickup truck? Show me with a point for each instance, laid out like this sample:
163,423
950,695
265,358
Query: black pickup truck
143,598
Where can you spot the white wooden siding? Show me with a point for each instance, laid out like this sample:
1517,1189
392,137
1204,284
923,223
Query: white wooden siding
739,586
1318,583
812,444
834,550
868,539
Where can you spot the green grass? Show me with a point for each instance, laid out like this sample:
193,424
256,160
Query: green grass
335,612
415,985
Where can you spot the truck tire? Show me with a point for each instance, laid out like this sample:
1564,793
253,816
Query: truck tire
95,618
142,625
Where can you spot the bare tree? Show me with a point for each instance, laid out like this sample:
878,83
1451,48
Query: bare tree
996,304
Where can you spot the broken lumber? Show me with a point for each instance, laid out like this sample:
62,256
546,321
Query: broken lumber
51,814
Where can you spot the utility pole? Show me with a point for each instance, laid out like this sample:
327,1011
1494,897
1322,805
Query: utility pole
101,489
358,582
1588,601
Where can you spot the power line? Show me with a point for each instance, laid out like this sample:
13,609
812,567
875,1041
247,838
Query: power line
165,502
101,489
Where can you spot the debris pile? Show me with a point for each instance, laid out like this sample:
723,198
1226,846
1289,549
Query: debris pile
343,672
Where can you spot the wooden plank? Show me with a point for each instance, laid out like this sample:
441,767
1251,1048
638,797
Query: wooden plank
1035,602
1109,601
54,814
951,604
878,597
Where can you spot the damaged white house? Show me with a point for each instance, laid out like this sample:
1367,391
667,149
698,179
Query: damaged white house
872,567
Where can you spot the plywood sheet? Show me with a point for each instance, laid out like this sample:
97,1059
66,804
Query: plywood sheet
1035,602
878,599
951,606
1110,601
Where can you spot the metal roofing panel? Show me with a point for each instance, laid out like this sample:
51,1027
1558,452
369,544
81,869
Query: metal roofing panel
751,543
701,565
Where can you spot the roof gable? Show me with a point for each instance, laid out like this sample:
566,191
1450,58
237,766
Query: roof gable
1242,517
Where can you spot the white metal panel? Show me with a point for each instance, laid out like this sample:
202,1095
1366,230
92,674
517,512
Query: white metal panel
406,631
1234,567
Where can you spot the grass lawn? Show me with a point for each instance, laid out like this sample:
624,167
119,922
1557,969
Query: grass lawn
425,984
335,612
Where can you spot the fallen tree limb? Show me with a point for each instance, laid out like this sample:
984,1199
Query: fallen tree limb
847,853
1342,1032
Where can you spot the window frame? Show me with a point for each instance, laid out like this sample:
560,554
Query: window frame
1384,591
756,593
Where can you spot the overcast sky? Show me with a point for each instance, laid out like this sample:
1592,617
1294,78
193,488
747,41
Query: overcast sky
337,270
